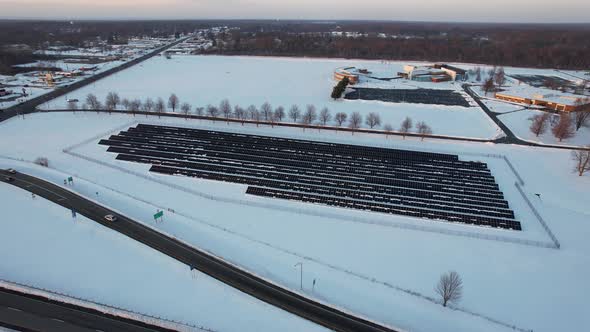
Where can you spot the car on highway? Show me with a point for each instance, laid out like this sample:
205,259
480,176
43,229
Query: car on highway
9,179
110,217
11,171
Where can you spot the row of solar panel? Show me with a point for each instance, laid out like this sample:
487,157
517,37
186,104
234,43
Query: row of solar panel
303,154
303,167
418,213
379,186
336,191
426,196
416,185
358,151
374,151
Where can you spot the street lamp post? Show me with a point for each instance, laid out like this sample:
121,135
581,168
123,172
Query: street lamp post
300,274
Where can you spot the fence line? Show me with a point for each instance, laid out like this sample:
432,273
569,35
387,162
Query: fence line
356,219
105,308
514,170
556,243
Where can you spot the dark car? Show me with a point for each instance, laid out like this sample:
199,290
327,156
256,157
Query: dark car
9,179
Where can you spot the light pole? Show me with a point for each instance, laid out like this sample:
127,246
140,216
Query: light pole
300,275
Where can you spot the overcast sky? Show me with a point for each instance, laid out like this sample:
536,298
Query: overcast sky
550,11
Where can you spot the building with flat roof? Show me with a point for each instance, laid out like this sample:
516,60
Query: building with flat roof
553,100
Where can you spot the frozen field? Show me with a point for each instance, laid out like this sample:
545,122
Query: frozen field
202,80
374,265
42,246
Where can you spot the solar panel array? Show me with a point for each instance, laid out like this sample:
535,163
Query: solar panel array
409,183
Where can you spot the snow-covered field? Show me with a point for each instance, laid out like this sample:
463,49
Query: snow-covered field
371,264
202,80
43,246
520,124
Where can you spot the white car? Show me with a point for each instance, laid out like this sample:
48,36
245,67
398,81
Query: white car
11,171
110,217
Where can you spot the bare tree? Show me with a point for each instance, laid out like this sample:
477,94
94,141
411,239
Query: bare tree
492,72
309,116
240,113
135,106
423,129
173,102
405,126
266,110
325,116
279,113
582,112
564,128
449,287
125,103
582,159
488,85
186,109
254,114
294,113
478,74
355,121
199,111
252,110
500,76
160,107
148,105
212,111
340,118
93,102
112,101
373,120
539,123
388,130
225,108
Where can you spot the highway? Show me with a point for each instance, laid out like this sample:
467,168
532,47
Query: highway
24,312
192,257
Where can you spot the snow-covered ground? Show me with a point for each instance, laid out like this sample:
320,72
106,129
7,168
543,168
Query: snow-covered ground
381,267
43,246
519,123
202,80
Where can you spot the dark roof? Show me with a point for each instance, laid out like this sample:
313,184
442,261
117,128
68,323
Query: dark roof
455,69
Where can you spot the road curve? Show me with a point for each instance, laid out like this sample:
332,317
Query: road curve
250,284
26,312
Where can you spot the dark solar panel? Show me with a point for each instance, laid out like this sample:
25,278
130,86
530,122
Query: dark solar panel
411,183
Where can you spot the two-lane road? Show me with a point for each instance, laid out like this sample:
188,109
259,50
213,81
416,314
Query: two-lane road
26,312
250,284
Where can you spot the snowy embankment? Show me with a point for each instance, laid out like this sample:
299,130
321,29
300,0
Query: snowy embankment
203,80
44,247
384,273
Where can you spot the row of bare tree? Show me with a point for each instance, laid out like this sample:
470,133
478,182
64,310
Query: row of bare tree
564,127
266,112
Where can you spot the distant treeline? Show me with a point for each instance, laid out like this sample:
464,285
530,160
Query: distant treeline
528,45
552,46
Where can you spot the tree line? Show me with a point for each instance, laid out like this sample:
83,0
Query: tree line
308,116
531,46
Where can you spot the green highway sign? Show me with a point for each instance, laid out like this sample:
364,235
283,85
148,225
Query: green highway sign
159,214
71,179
